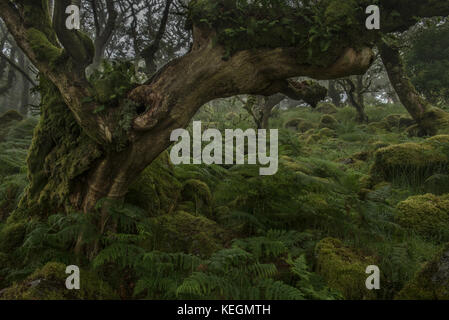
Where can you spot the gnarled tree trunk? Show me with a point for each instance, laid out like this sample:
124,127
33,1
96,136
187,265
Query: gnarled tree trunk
431,120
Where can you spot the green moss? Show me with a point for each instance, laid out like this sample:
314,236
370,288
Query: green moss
8,204
378,126
411,163
156,189
327,108
343,269
327,133
42,47
392,120
182,231
437,184
11,236
112,82
199,194
60,153
48,283
426,214
405,122
299,124
328,121
438,139
431,282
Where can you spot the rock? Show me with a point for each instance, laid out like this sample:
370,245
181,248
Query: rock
326,108
412,163
299,124
431,282
328,121
343,269
392,120
48,283
186,232
427,215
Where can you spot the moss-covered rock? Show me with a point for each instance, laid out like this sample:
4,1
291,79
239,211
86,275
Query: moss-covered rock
409,162
199,194
343,269
327,133
438,140
431,282
11,236
426,214
48,283
156,189
299,124
378,126
392,120
183,231
327,108
328,121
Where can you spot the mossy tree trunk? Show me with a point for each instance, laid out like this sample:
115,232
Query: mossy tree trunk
80,154
355,89
430,119
334,93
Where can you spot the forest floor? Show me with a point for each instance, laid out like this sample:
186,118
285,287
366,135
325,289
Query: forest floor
346,196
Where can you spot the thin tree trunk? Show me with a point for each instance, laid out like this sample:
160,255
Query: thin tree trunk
334,94
431,120
25,97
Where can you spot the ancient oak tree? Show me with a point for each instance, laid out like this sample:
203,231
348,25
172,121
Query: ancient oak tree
92,142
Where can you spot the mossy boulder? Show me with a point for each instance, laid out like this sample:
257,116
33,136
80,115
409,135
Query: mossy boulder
48,283
299,124
410,162
438,140
326,108
311,139
11,236
199,194
376,145
328,121
392,120
428,215
343,269
327,133
378,126
183,231
156,190
431,282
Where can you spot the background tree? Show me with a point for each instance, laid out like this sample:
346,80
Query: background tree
427,60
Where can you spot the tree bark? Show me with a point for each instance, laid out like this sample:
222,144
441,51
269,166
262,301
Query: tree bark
431,120
333,93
